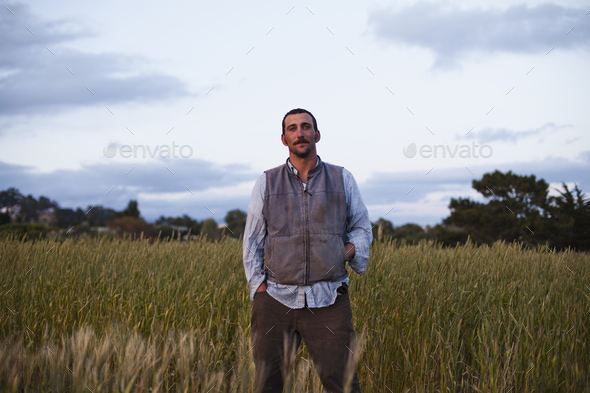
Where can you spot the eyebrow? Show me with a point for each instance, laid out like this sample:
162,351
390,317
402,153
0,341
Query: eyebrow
302,124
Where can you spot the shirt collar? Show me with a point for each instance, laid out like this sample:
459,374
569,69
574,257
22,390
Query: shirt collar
294,170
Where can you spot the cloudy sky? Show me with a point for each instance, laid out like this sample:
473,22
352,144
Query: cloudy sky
198,90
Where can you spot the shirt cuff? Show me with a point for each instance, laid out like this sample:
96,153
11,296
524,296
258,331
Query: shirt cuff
255,282
361,254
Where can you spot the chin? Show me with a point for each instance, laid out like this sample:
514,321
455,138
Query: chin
302,154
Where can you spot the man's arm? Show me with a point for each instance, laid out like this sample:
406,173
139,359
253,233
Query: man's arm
253,245
360,234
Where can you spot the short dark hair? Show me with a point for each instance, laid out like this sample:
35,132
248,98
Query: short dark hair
296,111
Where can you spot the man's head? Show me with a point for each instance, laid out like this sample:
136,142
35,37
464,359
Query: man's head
300,132
296,111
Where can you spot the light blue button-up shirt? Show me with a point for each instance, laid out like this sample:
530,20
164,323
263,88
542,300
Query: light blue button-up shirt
320,294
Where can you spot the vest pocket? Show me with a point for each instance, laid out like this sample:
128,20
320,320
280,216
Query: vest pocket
327,257
287,262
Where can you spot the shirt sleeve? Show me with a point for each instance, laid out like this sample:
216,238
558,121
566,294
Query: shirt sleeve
359,233
254,233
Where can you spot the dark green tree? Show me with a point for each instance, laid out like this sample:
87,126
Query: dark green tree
447,233
28,210
10,197
236,222
131,210
382,230
570,219
167,224
66,218
516,209
209,228
411,233
5,218
98,215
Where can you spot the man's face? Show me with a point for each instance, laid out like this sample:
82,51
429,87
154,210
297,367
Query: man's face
300,136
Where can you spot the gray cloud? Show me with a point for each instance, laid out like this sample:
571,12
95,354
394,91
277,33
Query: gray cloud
503,134
452,32
32,79
383,188
89,186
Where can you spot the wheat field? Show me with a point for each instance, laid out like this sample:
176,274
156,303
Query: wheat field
132,315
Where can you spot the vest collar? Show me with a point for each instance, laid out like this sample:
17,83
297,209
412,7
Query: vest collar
312,171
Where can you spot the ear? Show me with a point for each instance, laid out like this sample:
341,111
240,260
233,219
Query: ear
317,136
283,140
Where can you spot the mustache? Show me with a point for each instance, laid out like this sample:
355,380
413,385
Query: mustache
301,141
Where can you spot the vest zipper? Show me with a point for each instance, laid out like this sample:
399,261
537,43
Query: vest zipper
307,242
306,221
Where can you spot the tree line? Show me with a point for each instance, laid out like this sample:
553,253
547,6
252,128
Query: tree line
21,214
515,208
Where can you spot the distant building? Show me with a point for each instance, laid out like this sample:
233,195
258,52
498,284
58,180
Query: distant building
103,229
13,211
47,217
178,228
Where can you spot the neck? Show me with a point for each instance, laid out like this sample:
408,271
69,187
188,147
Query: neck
304,165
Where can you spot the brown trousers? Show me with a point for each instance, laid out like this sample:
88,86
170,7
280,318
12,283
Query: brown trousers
327,332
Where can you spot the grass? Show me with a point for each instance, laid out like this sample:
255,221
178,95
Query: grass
106,315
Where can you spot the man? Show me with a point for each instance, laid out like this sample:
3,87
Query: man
306,219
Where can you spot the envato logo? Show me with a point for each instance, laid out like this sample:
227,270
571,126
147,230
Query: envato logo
465,151
165,151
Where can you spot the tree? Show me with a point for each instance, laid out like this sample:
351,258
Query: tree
131,210
132,225
447,233
66,218
525,194
382,229
412,233
98,215
28,210
10,197
4,218
236,222
169,225
46,203
209,228
29,206
517,209
570,219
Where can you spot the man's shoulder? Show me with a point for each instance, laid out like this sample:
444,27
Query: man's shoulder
346,174
348,180
327,164
275,169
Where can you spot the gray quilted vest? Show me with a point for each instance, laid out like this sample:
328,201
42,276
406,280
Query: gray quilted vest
305,229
